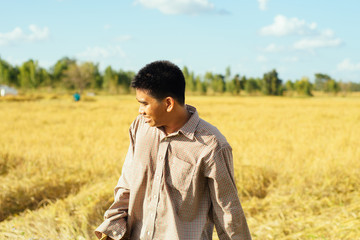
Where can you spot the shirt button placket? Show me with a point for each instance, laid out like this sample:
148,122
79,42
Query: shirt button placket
156,190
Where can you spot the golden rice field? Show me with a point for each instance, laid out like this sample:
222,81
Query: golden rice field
297,163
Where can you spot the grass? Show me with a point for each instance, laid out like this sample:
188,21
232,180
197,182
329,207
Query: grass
296,163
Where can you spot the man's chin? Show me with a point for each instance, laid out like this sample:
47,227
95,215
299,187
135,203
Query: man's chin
151,123
147,120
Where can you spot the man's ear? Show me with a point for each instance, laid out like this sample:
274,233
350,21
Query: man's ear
170,103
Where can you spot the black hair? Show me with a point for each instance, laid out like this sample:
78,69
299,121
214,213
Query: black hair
161,79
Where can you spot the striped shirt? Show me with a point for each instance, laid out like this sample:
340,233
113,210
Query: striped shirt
176,186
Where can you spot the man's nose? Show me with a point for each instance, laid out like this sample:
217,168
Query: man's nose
141,110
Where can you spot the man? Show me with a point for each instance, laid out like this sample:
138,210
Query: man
177,181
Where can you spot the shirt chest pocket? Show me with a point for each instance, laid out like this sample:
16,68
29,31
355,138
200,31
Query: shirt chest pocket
179,174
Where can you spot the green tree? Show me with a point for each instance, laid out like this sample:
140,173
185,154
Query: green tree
325,83
271,83
29,75
320,80
242,82
289,86
231,85
218,83
354,87
110,83
96,81
79,77
189,80
344,87
331,86
303,87
44,77
5,73
124,80
234,85
200,86
59,69
227,73
207,80
252,85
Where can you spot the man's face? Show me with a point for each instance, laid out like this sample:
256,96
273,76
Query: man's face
153,110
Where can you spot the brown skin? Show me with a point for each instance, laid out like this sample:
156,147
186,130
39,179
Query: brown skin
166,113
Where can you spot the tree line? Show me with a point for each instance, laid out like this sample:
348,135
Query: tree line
68,74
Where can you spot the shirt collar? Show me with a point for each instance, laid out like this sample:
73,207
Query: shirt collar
188,130
190,126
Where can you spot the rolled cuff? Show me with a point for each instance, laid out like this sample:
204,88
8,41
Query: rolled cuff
115,229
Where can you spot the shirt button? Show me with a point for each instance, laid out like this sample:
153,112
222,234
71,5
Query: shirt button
157,177
161,158
148,232
154,196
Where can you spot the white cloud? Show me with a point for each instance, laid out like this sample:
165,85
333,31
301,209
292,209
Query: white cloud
313,37
262,4
38,33
324,39
95,53
261,58
17,35
188,7
123,38
273,48
347,65
283,26
311,43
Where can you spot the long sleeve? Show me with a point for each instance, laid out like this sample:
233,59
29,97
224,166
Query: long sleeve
227,212
115,217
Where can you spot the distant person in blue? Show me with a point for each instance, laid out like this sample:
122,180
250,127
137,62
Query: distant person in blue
76,97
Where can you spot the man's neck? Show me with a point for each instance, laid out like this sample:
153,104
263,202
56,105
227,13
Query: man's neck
178,119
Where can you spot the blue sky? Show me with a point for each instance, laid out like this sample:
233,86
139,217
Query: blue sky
297,38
